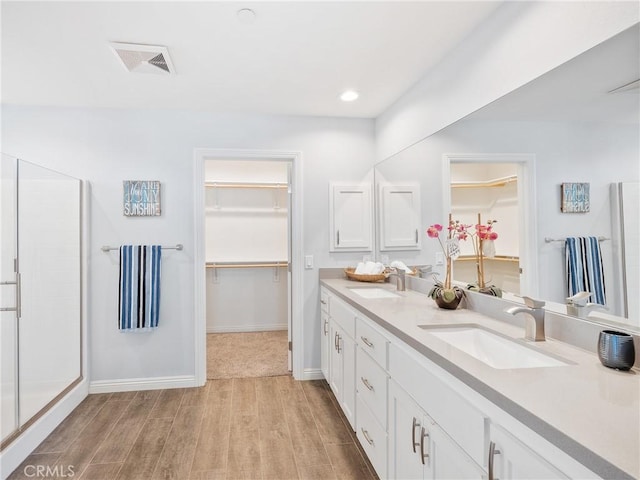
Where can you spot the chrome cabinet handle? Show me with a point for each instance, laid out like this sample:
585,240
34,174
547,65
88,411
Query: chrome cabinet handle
366,342
323,302
413,434
339,338
324,329
18,296
338,237
335,341
416,236
366,436
493,451
424,434
366,383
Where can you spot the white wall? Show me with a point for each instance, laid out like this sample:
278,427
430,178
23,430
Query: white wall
517,44
107,146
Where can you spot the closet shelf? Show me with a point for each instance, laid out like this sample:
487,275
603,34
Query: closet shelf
257,264
496,182
497,258
270,185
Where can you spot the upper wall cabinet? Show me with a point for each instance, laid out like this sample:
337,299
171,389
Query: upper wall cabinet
399,217
351,218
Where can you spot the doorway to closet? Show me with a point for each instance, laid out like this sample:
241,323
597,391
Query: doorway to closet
247,233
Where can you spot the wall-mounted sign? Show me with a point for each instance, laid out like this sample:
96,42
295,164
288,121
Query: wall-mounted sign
575,197
141,198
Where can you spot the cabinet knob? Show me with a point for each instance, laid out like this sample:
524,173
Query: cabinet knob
367,384
424,434
366,342
413,434
493,451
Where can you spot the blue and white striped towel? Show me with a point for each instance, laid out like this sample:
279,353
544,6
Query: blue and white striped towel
139,296
584,267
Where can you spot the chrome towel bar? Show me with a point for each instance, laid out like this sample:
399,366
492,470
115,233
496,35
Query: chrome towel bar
179,246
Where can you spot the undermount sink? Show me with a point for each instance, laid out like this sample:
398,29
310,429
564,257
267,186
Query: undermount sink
491,348
373,292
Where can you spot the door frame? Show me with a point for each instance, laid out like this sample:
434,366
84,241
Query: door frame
296,324
526,207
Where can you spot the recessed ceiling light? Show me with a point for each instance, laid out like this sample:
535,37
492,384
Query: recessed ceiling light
246,15
349,96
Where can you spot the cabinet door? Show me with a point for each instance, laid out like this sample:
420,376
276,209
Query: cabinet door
351,218
405,428
512,460
325,344
335,361
400,217
348,354
448,461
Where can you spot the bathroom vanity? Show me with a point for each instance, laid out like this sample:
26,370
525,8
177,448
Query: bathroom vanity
456,394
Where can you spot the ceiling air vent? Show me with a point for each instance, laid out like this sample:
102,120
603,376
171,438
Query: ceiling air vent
138,58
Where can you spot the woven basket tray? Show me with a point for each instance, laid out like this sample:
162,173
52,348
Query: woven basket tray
365,278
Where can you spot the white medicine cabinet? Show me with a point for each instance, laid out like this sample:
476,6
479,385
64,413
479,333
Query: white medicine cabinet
350,218
399,217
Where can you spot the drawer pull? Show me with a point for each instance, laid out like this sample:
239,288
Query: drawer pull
493,451
413,434
326,324
366,436
367,384
339,338
367,342
423,455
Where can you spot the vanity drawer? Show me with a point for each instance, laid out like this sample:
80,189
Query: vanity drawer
324,300
372,438
372,341
462,421
344,315
372,385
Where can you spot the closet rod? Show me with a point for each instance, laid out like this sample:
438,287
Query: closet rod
245,185
179,246
549,240
246,265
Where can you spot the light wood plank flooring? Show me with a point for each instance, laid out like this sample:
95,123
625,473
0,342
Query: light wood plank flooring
248,428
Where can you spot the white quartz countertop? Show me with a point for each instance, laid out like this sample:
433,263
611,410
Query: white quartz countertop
587,410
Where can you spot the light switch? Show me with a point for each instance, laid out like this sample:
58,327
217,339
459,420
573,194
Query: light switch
439,258
308,262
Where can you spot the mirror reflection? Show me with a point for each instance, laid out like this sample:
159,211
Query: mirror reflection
577,124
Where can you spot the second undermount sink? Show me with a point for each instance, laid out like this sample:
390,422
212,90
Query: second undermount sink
373,292
491,348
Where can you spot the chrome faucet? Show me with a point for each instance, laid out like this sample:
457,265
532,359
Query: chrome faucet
578,306
534,315
401,279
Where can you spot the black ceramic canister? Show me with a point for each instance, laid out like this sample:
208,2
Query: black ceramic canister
615,350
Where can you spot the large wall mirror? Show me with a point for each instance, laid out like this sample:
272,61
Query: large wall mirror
579,123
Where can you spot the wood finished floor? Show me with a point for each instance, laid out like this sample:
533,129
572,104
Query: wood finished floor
249,428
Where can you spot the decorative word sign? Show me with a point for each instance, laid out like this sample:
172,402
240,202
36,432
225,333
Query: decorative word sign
141,198
575,197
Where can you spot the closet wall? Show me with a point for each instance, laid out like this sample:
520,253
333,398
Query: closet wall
246,230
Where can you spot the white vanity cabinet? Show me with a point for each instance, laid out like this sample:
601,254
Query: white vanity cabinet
325,342
372,382
342,358
399,217
510,459
350,218
419,448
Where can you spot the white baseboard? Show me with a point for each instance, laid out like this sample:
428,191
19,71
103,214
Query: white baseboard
15,453
312,374
246,328
153,383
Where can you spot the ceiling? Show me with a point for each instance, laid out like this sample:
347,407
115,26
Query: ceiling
579,89
295,58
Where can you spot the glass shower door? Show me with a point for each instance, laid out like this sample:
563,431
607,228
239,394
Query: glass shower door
40,291
8,298
49,347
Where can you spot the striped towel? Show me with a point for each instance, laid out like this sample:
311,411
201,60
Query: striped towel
584,267
139,296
